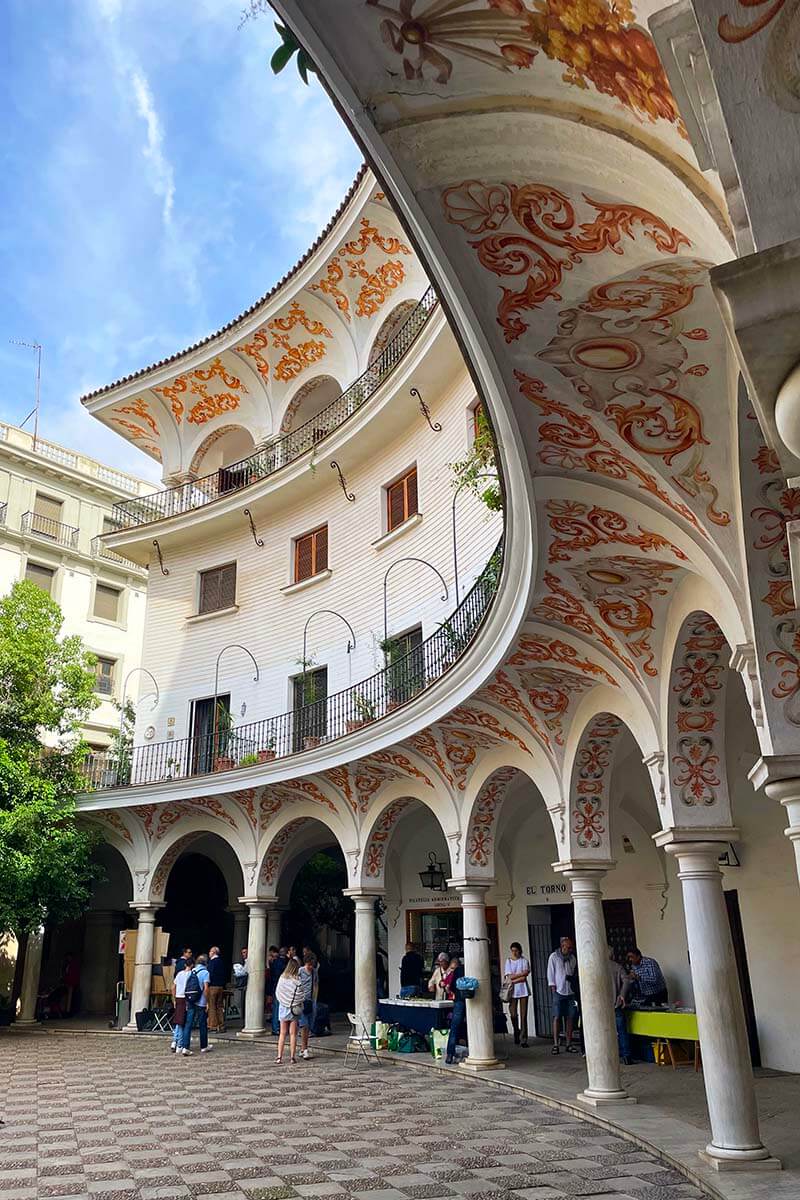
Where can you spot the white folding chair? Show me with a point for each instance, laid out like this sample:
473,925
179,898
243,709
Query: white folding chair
360,1044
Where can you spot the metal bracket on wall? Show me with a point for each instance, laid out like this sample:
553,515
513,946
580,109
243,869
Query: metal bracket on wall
164,570
348,495
426,412
258,541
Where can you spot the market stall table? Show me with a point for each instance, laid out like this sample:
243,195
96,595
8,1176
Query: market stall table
666,1026
421,1016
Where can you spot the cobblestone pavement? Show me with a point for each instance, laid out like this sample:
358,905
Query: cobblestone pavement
120,1118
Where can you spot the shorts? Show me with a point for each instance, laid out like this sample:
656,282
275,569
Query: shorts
304,1020
563,1006
285,1013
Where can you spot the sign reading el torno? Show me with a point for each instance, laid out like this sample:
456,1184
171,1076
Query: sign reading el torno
548,891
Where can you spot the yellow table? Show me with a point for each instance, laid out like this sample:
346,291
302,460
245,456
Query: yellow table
666,1027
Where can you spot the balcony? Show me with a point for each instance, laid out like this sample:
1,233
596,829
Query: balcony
101,550
187,497
35,525
304,728
3,513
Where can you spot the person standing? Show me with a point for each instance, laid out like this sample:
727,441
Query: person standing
651,987
276,969
306,977
516,971
458,1016
179,996
561,976
620,987
185,957
195,993
289,994
436,981
216,991
411,968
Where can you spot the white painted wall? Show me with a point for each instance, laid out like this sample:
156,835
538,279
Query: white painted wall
182,653
87,497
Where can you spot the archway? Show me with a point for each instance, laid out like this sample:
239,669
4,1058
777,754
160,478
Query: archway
227,445
202,883
308,401
391,326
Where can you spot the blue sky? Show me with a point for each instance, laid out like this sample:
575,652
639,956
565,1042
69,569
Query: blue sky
157,178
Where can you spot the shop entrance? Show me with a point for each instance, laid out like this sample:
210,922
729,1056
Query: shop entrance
547,924
435,930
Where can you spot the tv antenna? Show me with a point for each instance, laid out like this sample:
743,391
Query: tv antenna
37,349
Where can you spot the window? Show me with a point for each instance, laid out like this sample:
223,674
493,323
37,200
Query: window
405,663
43,577
106,602
46,515
311,554
310,703
217,589
104,676
401,500
478,423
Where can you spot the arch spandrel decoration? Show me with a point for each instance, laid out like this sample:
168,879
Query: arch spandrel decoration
589,825
276,854
373,869
696,747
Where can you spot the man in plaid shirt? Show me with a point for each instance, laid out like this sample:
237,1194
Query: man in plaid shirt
650,983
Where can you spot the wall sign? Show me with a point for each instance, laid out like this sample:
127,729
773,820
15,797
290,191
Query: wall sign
435,900
548,891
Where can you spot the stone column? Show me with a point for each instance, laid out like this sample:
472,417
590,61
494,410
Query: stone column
274,925
241,919
30,981
100,960
597,1002
727,1073
480,1020
256,969
143,968
780,777
365,951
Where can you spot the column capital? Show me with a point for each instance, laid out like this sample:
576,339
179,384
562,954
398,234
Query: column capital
772,769
146,909
362,893
257,903
697,851
462,884
587,870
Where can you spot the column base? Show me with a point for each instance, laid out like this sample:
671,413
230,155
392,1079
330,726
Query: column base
720,1159
26,1026
249,1034
481,1064
600,1099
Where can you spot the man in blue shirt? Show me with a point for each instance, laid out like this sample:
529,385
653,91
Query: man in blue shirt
196,996
651,987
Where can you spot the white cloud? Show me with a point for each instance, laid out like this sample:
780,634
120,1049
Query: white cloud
162,174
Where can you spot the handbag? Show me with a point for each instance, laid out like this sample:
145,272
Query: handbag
506,992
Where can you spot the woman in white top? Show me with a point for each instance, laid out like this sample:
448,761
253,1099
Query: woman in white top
289,995
516,971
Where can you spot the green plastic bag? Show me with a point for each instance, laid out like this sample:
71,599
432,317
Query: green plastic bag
392,1038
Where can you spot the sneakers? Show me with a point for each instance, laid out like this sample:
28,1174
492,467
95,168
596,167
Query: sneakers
174,1048
206,1049
186,1053
305,1054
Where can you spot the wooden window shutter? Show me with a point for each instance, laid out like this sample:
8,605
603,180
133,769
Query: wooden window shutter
42,576
47,507
411,493
321,549
106,602
304,558
395,496
217,588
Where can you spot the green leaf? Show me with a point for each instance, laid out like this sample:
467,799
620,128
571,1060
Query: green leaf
281,57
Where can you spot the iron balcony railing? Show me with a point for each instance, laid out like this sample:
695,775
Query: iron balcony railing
101,550
46,527
3,512
143,510
324,720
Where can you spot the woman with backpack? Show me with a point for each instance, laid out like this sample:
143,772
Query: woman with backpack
290,1000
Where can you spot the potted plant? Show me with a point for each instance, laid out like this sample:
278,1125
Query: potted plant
400,681
455,643
267,752
223,740
365,708
249,760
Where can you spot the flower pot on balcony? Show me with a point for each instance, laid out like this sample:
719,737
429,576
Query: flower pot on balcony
266,755
358,723
311,743
224,764
391,705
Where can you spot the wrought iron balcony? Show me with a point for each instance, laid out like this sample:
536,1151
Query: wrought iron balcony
304,728
101,550
3,512
52,531
284,450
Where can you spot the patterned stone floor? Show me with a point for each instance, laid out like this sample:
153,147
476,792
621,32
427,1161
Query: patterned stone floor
116,1118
